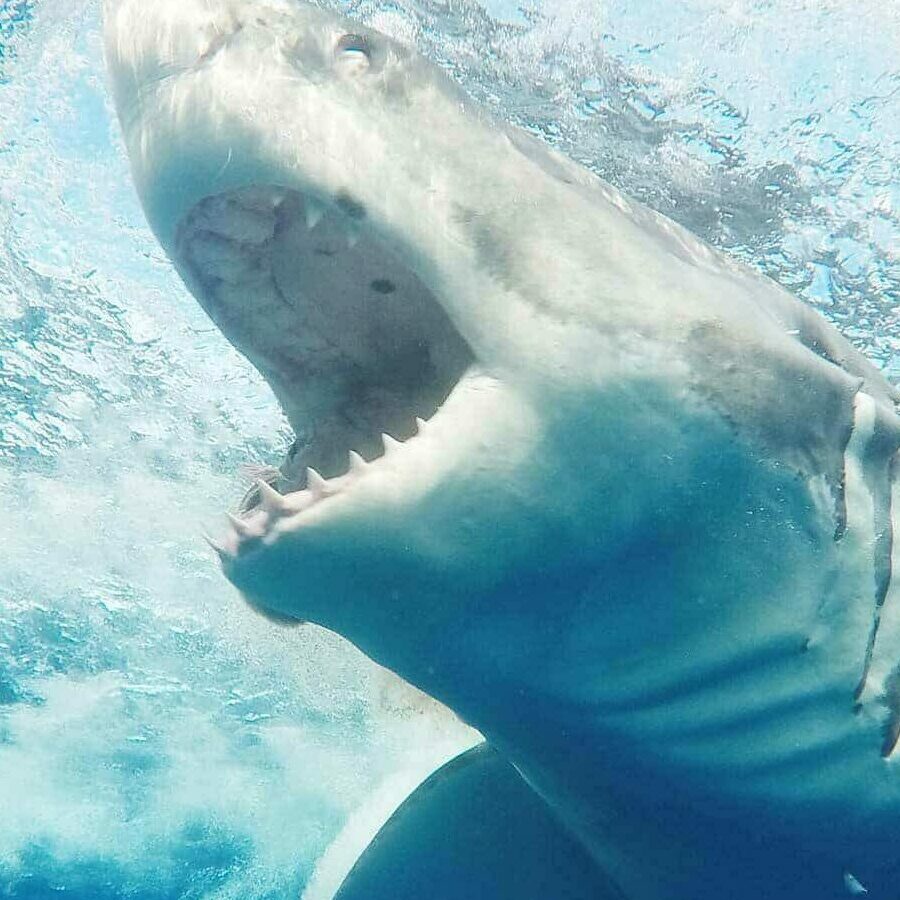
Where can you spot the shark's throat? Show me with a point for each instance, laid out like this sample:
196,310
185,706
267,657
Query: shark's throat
352,342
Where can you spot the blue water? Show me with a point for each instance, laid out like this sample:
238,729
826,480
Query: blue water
157,740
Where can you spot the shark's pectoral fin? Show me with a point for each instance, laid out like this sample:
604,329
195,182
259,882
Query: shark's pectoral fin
475,829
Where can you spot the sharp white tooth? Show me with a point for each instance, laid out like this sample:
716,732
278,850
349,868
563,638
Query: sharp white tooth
314,212
357,463
353,235
221,550
420,424
242,527
272,501
389,443
315,483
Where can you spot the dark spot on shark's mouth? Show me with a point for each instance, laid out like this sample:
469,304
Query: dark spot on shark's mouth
350,339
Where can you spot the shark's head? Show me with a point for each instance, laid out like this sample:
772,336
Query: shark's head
386,257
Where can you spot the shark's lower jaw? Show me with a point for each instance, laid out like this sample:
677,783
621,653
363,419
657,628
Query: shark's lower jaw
352,342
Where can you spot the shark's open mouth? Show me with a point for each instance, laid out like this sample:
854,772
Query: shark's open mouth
352,342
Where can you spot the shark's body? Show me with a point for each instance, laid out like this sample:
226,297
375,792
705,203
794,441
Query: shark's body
644,541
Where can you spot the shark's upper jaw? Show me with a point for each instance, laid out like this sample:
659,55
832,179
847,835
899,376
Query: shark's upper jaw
259,135
271,149
352,342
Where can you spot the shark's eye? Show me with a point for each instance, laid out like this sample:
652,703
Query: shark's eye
352,46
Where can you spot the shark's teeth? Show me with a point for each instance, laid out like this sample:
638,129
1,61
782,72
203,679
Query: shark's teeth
272,502
247,530
242,527
357,463
316,484
221,550
272,505
390,443
314,212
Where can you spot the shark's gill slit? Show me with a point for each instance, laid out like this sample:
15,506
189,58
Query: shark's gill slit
352,342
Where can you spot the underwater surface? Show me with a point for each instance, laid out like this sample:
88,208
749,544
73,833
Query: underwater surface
157,738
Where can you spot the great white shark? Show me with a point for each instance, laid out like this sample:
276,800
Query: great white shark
634,517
